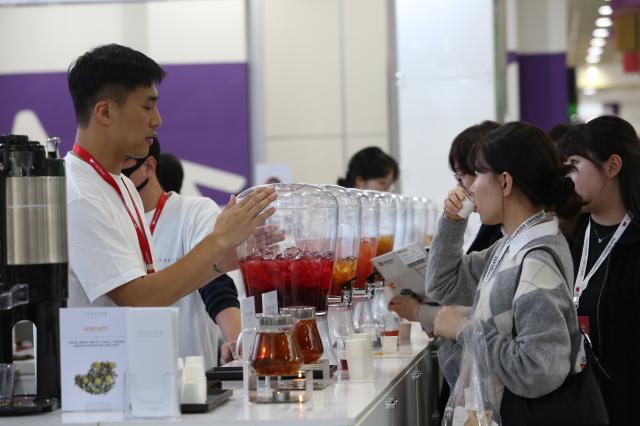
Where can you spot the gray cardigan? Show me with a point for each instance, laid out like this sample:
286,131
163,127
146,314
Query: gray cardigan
539,359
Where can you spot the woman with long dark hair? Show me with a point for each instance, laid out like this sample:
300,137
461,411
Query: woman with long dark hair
523,281
605,156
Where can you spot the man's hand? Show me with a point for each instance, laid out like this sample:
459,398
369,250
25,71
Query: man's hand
228,352
239,219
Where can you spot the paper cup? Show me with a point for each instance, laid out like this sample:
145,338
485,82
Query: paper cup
404,331
467,208
389,344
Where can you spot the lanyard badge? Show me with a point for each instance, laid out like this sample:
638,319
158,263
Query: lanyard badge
582,279
143,241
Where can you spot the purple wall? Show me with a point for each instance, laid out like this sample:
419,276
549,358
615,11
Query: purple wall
544,95
204,108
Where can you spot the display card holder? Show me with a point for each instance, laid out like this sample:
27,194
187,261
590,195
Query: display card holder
152,382
248,323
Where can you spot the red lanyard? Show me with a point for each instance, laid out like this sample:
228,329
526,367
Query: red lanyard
156,215
145,248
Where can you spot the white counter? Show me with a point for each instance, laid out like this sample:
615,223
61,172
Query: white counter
344,402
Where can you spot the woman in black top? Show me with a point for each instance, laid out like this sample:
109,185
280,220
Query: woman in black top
606,157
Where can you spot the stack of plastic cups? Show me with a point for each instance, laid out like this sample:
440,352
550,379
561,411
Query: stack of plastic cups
359,356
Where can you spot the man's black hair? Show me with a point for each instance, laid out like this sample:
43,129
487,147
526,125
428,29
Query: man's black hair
112,72
170,172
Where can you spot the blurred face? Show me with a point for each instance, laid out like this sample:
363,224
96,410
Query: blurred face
377,184
590,181
464,179
133,124
487,195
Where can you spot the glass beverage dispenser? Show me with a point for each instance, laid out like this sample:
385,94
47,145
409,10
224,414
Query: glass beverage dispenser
417,221
387,229
401,221
300,261
348,238
369,226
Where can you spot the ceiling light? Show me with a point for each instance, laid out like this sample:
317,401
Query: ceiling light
598,42
601,33
592,72
605,10
589,91
604,22
595,51
592,59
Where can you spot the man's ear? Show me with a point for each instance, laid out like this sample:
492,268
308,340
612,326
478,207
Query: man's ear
102,112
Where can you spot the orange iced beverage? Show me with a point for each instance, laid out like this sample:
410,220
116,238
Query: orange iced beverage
385,244
365,267
344,269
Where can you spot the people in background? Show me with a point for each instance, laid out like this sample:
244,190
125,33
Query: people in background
178,223
170,172
523,281
605,157
111,259
371,168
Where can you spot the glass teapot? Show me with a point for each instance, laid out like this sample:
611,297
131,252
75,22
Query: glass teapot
275,349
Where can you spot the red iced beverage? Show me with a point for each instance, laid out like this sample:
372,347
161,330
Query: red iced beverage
368,248
302,280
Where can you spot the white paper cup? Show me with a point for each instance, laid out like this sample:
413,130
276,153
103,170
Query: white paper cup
467,208
389,344
194,392
360,368
194,360
404,331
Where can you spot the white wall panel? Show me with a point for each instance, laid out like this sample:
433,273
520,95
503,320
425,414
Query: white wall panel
48,38
447,84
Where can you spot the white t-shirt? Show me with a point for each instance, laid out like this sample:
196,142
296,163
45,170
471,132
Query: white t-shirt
183,223
104,252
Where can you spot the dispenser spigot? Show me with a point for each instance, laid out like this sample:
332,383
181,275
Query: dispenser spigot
15,296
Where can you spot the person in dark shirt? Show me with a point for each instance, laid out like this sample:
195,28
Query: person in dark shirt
182,217
605,246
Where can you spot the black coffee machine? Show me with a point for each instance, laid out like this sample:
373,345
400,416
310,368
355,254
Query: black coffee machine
33,257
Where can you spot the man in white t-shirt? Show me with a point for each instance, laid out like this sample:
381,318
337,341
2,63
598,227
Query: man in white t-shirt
178,223
111,262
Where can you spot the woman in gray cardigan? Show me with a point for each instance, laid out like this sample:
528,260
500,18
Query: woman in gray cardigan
521,184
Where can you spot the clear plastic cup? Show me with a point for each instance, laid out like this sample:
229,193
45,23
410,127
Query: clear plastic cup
7,373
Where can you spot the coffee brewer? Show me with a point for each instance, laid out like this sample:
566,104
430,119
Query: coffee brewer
33,256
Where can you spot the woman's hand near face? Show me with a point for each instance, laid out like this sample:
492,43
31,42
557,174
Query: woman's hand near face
453,203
